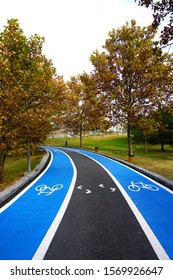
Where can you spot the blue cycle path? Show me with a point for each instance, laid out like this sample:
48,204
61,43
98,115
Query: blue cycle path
25,222
155,206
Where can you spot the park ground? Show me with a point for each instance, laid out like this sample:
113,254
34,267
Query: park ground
114,145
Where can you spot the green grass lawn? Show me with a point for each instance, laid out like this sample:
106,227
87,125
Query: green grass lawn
16,167
115,145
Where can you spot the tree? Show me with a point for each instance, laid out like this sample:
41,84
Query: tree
133,76
26,83
164,134
146,127
161,9
73,115
84,105
58,105
94,103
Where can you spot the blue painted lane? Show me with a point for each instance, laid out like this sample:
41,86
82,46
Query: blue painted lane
24,223
155,204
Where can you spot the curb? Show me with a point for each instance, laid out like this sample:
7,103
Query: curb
158,178
16,188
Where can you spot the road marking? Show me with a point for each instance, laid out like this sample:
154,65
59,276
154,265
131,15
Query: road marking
102,186
157,247
43,189
28,187
136,187
80,187
88,191
42,249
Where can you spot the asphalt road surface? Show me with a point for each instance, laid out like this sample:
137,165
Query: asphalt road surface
98,223
85,206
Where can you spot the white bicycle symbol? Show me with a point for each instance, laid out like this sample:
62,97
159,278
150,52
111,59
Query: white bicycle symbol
136,187
43,189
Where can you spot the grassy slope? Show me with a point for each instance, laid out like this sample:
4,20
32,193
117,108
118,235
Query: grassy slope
155,160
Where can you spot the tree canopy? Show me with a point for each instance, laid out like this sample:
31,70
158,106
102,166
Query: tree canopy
133,75
83,105
26,83
162,10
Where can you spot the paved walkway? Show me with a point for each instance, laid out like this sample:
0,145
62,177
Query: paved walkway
87,206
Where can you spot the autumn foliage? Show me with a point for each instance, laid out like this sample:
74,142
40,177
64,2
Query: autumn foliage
26,81
131,81
135,75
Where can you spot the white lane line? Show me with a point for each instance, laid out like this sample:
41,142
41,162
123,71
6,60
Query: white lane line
28,187
44,245
157,247
143,175
128,167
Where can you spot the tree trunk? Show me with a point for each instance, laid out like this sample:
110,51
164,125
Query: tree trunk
146,146
29,161
130,148
162,146
2,161
81,136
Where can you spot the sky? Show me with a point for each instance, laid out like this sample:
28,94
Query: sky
73,29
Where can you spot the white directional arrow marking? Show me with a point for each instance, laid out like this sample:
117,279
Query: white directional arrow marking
101,186
112,189
80,187
88,191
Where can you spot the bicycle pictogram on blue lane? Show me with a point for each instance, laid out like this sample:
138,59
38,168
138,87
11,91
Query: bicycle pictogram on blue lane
24,216
44,189
136,187
147,196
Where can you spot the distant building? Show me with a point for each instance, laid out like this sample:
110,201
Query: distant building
117,129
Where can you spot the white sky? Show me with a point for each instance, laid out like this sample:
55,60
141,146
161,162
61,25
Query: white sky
73,29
